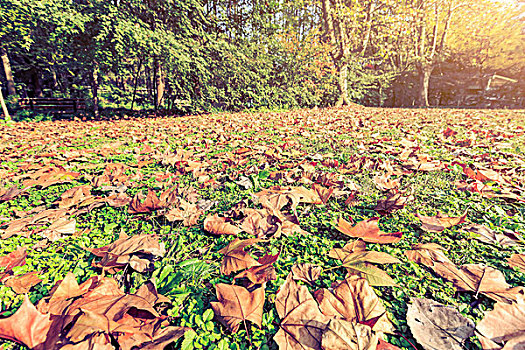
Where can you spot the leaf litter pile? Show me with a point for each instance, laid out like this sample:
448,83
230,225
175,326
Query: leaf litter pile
312,229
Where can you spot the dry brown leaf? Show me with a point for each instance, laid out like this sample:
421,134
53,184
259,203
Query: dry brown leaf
187,213
235,258
261,223
516,260
340,334
236,304
302,323
438,327
504,326
486,235
392,203
23,283
26,325
219,226
10,193
13,259
368,230
355,301
440,222
260,274
138,251
305,272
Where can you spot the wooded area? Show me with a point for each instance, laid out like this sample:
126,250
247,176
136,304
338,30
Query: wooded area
209,55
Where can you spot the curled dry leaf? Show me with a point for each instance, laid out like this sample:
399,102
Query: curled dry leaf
27,325
368,230
475,278
151,203
504,326
217,225
235,258
392,203
302,323
236,304
438,327
138,251
260,274
440,222
340,334
355,301
308,273
486,235
261,223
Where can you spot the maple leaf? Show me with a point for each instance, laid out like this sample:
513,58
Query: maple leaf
27,325
302,323
368,230
438,327
306,272
358,260
236,304
261,223
355,301
440,222
340,334
217,225
138,251
235,258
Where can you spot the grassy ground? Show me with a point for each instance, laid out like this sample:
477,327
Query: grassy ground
353,144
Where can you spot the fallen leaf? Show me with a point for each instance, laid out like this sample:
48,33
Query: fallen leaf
26,325
486,235
302,323
440,222
368,230
516,260
355,301
235,258
340,334
438,327
305,272
219,226
504,326
236,304
260,274
23,283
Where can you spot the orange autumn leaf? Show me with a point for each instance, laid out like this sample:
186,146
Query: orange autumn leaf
368,230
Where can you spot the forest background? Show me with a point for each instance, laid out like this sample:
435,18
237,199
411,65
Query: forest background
226,55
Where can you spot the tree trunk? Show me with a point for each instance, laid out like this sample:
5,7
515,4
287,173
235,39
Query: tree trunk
424,71
37,83
94,88
8,72
160,84
342,84
4,107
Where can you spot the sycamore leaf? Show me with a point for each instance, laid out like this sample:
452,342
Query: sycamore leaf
219,226
27,325
306,272
486,235
504,326
358,260
392,203
368,230
341,334
151,203
438,327
475,278
440,222
235,258
517,260
11,260
302,323
260,274
236,304
23,283
355,301
138,251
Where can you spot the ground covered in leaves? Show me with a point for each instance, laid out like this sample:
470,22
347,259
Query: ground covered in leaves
329,228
